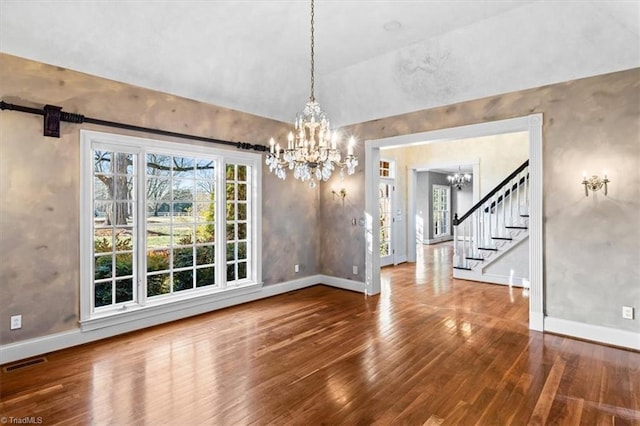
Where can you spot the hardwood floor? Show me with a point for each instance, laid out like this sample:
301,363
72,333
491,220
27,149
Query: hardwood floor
429,350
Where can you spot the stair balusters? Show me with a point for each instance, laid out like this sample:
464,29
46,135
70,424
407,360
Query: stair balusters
492,222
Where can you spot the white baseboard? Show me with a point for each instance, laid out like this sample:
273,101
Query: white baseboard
438,240
536,321
463,274
595,333
504,280
342,283
401,259
45,344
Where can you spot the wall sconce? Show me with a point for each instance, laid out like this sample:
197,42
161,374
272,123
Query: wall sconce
342,194
594,183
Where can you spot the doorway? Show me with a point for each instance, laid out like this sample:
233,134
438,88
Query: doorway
532,124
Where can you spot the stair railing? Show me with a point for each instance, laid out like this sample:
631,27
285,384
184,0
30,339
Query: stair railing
490,223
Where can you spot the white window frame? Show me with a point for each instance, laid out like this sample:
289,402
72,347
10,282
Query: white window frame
391,169
145,308
389,184
447,215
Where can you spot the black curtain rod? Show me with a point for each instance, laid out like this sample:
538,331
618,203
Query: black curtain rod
53,115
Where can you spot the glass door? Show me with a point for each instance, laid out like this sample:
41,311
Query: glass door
386,221
441,210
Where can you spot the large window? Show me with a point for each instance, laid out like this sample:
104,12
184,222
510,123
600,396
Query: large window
164,222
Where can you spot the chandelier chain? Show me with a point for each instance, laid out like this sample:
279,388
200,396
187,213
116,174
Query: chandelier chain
312,97
311,151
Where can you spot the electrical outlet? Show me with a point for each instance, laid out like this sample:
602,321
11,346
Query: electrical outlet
627,312
296,268
16,322
355,270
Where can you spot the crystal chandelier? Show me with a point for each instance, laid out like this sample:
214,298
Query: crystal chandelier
459,179
312,148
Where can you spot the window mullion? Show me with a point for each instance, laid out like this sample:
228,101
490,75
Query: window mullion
221,223
141,273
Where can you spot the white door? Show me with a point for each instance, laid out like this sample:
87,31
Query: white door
441,210
385,199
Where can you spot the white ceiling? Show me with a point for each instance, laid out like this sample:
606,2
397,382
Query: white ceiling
374,58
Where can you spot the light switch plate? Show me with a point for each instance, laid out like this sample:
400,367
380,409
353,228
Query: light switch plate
16,322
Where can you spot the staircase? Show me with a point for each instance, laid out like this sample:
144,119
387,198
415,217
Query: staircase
490,240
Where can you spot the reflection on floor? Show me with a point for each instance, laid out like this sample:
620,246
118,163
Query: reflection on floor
429,350
429,281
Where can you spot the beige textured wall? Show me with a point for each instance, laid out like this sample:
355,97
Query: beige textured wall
39,187
340,240
497,155
591,245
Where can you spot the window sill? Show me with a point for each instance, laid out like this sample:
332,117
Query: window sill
149,315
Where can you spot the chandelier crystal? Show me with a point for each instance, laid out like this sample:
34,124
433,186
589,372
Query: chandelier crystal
312,147
459,179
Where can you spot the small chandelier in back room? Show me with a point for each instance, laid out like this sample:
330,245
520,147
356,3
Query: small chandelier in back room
312,148
459,179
